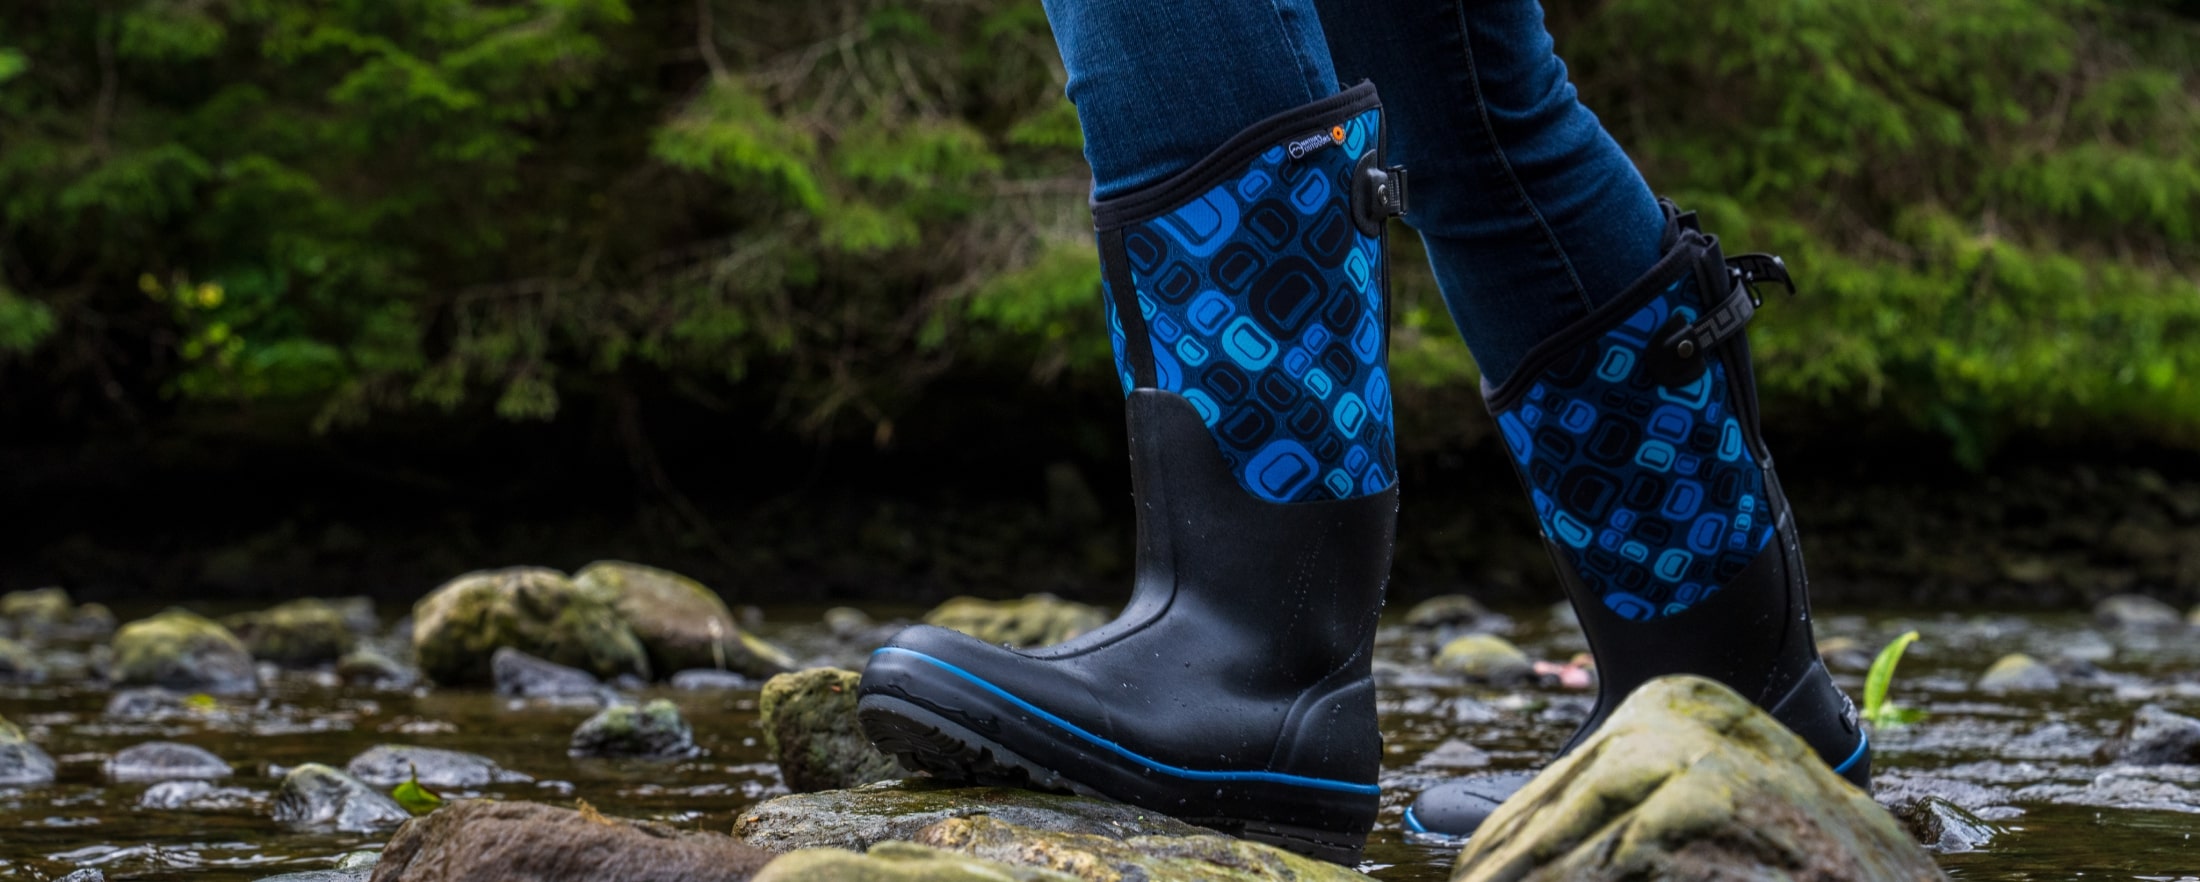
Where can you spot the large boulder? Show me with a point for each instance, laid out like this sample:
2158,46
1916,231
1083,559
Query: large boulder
22,764
1036,620
183,651
301,633
316,797
809,720
388,765
457,627
1688,780
653,731
681,624
860,818
481,841
898,862
1206,857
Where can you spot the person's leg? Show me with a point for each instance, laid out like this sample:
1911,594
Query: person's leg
1241,201
1609,332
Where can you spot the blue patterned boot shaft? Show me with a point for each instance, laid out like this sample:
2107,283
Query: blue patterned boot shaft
1258,284
1643,465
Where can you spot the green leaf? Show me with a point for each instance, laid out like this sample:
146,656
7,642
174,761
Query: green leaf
415,798
1877,710
12,64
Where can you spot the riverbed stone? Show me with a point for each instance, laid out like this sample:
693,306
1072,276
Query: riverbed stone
652,731
898,862
484,841
1206,857
520,675
1446,611
710,680
166,761
459,626
1688,780
37,609
2154,736
388,765
1943,826
300,633
681,623
369,666
183,651
809,720
2135,611
895,810
22,764
21,664
1485,658
197,796
315,796
2017,672
148,703
1034,620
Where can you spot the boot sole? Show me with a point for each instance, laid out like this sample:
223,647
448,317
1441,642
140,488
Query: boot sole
925,741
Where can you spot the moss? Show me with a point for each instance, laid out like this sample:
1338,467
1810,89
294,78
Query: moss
1035,620
457,627
183,651
43,606
296,634
809,720
898,862
682,624
1206,857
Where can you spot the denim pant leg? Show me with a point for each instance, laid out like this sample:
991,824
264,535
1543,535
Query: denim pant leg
1159,84
1531,212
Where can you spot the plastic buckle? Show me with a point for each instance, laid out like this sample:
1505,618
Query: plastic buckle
1750,270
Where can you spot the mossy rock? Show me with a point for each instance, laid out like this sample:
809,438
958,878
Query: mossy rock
809,720
2017,672
183,651
457,627
317,797
1035,620
22,764
1205,857
490,840
20,663
652,731
37,608
682,624
860,818
898,862
1485,658
1688,780
301,633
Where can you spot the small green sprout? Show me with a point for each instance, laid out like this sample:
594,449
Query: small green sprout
1878,711
415,798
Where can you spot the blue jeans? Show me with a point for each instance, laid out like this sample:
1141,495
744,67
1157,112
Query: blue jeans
1531,213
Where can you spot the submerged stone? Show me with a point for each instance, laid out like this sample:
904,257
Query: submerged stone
300,633
2154,736
653,731
710,679
520,675
898,862
144,704
458,626
2017,672
314,796
1205,857
388,765
183,651
681,623
166,761
1944,826
196,796
809,720
22,764
1485,658
482,840
2135,611
1035,620
860,818
1688,780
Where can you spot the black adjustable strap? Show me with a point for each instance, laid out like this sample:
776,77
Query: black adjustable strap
1727,317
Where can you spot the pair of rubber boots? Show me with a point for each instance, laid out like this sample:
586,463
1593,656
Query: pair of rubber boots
1247,301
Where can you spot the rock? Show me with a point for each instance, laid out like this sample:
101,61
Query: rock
1036,620
93,622
20,664
183,651
369,666
1687,780
88,874
809,720
2193,618
2017,672
152,703
860,818
388,765
1944,826
358,614
22,764
457,627
196,796
1485,658
1206,857
520,675
681,624
2154,736
301,633
1844,654
166,761
898,862
530,841
847,622
40,609
653,731
2135,611
1454,754
322,876
710,679
1445,611
318,797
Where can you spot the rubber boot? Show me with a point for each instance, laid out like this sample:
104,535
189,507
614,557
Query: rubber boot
1636,433
1246,298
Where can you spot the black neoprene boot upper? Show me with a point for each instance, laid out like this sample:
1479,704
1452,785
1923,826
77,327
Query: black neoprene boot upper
1635,431
1246,298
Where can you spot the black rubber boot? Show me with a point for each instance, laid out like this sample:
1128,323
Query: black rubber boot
1234,691
1636,433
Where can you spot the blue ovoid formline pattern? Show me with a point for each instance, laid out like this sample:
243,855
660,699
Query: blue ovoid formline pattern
1651,491
1263,304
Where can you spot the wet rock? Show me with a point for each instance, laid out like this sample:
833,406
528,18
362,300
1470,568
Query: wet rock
1485,658
2154,736
22,764
1446,611
1688,780
457,627
1453,755
298,634
183,651
898,862
21,664
87,874
809,720
318,797
323,876
166,761
196,796
152,703
2135,611
653,731
681,624
1944,826
529,841
2017,672
93,622
369,666
847,622
860,818
1207,857
1845,654
1035,620
36,610
710,679
388,765
520,675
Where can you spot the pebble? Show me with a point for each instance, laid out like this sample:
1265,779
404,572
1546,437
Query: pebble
653,731
2017,672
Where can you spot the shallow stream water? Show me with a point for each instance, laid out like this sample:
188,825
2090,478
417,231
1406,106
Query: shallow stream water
2025,762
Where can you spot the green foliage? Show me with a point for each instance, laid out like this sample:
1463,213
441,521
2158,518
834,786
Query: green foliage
1878,711
415,798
